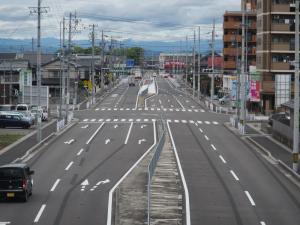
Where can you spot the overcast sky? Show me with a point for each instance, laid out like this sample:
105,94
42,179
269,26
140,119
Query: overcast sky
136,19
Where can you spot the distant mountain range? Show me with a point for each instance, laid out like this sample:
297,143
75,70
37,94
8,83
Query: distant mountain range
51,45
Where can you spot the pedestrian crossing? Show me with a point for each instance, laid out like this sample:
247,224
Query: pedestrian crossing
151,109
145,120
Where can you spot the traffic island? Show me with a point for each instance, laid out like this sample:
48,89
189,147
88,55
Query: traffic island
130,201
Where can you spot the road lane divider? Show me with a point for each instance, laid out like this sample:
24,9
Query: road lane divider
186,191
55,185
128,134
207,138
234,175
69,166
250,198
214,148
222,158
96,132
38,216
80,151
110,197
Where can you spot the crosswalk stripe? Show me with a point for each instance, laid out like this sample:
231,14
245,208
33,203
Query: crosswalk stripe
121,109
158,109
103,109
123,120
200,122
100,120
85,120
109,109
195,110
146,120
207,122
183,121
127,109
190,110
191,121
171,110
93,120
215,123
108,120
176,121
138,120
116,120
130,120
115,109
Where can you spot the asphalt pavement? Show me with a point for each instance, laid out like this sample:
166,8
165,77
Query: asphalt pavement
228,182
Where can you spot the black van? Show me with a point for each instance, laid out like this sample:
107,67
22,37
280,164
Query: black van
15,181
8,119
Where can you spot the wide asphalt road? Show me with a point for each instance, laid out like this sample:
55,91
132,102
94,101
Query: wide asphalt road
228,182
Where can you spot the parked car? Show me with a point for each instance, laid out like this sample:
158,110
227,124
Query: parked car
16,181
13,119
7,107
29,118
42,113
225,99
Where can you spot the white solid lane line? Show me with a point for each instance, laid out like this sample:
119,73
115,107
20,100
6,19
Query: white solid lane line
250,198
99,128
38,216
234,175
55,185
222,158
80,151
128,134
206,138
69,166
214,148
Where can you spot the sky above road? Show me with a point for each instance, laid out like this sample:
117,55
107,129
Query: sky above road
135,19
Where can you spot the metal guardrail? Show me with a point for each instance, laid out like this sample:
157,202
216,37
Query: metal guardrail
151,169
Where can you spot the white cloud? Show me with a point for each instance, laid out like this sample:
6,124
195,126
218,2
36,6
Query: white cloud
137,19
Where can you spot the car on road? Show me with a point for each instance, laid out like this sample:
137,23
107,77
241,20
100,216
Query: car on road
41,112
14,119
16,181
225,99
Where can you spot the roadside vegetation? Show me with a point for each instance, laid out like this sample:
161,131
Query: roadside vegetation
7,139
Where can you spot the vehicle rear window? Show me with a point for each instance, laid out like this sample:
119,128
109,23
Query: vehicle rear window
22,108
11,173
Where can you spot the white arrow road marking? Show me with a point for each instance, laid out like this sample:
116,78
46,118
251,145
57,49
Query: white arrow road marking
38,216
142,140
107,141
84,127
103,182
116,126
85,182
69,142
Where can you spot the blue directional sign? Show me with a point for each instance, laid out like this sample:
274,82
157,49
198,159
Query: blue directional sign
130,63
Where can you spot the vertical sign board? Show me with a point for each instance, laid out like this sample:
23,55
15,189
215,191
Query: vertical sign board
25,79
255,87
282,89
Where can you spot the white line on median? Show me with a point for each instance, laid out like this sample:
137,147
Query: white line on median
128,134
80,151
38,216
214,148
89,141
69,166
234,175
55,185
223,160
250,198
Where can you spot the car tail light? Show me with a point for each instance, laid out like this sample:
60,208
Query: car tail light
24,184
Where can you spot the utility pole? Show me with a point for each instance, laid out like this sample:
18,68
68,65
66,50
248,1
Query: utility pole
93,63
102,60
296,90
194,64
39,10
199,63
186,63
212,88
69,67
243,75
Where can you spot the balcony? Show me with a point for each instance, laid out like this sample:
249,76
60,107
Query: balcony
229,65
232,25
281,27
232,38
232,51
281,46
280,7
280,66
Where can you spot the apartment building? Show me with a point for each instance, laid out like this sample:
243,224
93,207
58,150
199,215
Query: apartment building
232,39
275,51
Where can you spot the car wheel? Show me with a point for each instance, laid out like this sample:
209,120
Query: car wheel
25,196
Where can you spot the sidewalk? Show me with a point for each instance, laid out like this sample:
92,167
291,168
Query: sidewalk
271,147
